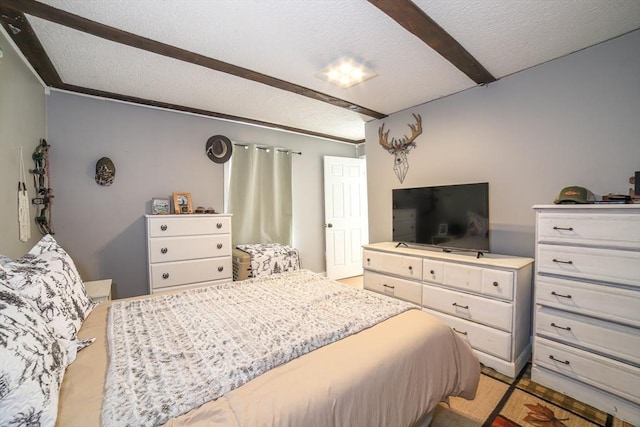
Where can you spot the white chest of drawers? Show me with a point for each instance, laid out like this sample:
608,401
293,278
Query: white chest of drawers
486,300
188,251
587,305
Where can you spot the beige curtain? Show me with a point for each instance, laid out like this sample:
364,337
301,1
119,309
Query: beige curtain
260,195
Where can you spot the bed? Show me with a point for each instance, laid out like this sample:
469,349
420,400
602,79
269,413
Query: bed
391,373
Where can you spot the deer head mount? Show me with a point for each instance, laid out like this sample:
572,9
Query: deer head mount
401,147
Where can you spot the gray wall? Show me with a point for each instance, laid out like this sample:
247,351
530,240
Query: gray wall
572,121
157,152
22,124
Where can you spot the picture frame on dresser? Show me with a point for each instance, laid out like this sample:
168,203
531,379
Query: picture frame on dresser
182,203
160,206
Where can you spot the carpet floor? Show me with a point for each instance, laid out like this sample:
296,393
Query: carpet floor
506,402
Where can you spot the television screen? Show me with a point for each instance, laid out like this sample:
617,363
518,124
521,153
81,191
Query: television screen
454,217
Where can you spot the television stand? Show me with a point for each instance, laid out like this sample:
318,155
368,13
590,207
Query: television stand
487,300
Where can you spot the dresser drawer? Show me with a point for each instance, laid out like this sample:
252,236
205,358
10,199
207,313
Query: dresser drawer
612,339
191,225
482,310
463,277
401,265
606,374
607,265
482,338
393,287
164,249
605,302
497,283
185,272
597,229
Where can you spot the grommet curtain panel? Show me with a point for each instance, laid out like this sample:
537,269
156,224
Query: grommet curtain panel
260,196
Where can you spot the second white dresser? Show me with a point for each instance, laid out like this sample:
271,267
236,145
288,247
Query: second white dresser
188,251
587,305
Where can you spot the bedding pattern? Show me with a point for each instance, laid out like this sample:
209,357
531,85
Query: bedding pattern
271,258
172,353
32,364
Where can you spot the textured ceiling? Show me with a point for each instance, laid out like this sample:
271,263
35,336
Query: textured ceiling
292,40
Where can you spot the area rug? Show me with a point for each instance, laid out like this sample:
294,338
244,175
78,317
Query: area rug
507,402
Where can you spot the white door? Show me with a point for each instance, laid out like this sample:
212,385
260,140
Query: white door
345,215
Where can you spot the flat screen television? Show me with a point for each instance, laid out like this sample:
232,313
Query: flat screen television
451,217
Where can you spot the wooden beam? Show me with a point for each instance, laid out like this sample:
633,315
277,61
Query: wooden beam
414,20
44,11
22,34
186,109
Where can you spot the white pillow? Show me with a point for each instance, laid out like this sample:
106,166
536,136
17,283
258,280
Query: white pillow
48,278
32,364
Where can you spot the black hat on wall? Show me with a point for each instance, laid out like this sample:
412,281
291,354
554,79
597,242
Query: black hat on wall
219,148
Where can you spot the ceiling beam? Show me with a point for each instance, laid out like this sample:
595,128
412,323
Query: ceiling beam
22,34
414,20
207,113
44,11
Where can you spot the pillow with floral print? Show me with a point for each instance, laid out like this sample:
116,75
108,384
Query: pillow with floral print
47,277
33,364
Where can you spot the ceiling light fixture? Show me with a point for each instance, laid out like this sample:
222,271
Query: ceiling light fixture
345,73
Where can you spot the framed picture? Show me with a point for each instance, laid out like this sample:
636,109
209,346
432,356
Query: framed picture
443,229
160,206
182,203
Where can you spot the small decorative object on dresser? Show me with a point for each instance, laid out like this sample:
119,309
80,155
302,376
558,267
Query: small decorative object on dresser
587,300
182,203
160,206
188,251
487,301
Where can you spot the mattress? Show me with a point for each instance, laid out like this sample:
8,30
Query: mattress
390,374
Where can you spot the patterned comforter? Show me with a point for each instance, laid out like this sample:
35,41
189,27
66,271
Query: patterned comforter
174,352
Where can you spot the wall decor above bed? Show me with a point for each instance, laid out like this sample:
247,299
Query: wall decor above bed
401,147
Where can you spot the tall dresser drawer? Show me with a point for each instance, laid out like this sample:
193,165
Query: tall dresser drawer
480,337
607,265
606,302
620,230
177,226
185,272
606,374
163,249
393,287
619,341
482,310
401,265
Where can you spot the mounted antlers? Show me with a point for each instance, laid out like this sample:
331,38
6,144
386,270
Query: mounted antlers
404,142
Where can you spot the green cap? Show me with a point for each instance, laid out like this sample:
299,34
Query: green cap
575,194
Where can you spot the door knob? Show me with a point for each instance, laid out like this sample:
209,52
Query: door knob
328,225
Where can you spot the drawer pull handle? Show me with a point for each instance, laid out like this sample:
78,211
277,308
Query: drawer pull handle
163,250
466,307
163,227
460,332
388,286
219,245
559,261
496,284
432,272
566,328
220,268
165,275
563,228
410,268
219,225
566,362
368,260
554,293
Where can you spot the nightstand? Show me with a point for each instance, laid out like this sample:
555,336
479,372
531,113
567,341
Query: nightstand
99,290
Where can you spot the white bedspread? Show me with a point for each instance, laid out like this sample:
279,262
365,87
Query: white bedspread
172,353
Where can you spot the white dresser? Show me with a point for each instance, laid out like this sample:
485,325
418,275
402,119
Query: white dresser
188,251
486,300
587,305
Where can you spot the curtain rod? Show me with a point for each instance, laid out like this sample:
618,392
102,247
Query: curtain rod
267,148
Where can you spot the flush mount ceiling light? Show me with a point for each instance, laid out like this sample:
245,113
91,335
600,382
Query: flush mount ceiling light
345,73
